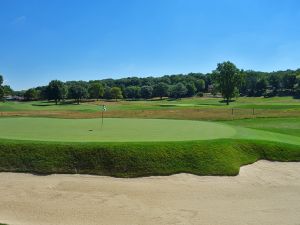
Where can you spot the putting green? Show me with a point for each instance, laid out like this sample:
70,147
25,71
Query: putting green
114,129
129,130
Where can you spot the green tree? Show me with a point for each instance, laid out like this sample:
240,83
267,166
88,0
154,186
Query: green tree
77,92
7,90
161,90
178,91
1,93
30,94
191,89
1,88
289,81
200,85
274,81
107,93
116,93
132,92
146,92
96,90
56,91
297,87
227,79
261,87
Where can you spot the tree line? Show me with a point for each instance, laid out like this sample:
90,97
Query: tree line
226,80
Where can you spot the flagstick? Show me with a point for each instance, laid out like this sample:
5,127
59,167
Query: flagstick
103,109
102,120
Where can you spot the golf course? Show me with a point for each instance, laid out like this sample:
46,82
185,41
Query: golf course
131,130
144,138
153,112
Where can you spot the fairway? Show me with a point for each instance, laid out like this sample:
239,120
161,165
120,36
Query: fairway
121,130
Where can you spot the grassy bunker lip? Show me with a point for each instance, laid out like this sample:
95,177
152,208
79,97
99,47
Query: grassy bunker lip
137,147
136,159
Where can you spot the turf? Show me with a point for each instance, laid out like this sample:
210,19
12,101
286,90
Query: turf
130,130
185,103
289,126
187,108
210,157
143,147
121,130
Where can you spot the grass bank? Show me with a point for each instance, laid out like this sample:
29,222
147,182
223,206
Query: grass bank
209,157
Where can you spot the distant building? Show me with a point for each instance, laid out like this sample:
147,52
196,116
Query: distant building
13,98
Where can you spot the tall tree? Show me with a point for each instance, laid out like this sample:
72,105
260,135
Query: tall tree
261,87
289,81
274,81
77,92
56,90
161,90
7,90
200,85
227,79
96,90
191,89
178,91
297,87
1,88
132,92
116,93
107,93
146,92
30,94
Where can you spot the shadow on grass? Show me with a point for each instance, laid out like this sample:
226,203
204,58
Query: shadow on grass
52,103
296,97
224,101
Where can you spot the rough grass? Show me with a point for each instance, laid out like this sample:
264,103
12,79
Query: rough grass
290,126
213,157
187,108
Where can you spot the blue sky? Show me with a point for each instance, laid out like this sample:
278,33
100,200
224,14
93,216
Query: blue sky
41,40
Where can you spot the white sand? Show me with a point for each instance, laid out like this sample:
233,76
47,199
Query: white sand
264,193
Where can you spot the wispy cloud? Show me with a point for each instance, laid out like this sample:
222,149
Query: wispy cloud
19,20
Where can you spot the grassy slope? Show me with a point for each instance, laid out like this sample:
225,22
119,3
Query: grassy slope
289,126
213,157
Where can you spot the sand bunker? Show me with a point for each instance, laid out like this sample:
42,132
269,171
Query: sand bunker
264,193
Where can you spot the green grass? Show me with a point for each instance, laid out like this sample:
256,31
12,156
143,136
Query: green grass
113,129
185,103
134,130
210,157
143,147
45,106
290,126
